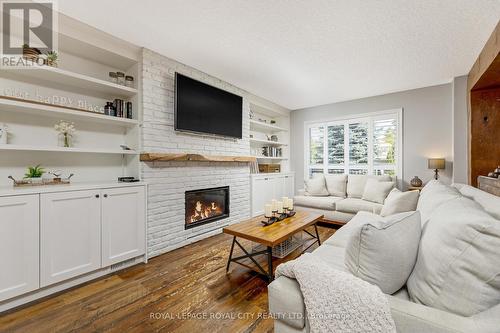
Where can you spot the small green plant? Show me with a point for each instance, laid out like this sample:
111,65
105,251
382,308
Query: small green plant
34,172
52,57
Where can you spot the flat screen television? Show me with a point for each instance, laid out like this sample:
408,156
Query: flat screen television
201,108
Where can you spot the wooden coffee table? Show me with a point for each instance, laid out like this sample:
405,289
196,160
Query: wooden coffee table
270,236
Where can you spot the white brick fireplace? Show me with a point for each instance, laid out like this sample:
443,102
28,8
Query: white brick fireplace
169,180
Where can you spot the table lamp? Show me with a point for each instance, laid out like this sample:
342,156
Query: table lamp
436,164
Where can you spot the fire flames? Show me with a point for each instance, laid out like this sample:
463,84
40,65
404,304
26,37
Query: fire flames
204,210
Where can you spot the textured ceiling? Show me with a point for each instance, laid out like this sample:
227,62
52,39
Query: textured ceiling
306,53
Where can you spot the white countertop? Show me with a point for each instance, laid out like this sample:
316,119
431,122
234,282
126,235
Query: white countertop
10,190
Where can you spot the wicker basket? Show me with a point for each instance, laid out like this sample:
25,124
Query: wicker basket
285,248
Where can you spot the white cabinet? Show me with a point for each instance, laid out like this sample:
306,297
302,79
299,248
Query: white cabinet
262,193
70,235
19,252
266,187
123,221
289,186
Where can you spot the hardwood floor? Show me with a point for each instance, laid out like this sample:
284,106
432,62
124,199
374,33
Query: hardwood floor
186,290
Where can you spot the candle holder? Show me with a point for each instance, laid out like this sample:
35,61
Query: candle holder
290,212
270,220
281,216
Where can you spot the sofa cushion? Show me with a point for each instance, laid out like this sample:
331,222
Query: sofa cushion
399,202
327,203
342,235
377,191
336,185
432,196
458,264
489,202
356,184
383,250
332,255
353,205
316,186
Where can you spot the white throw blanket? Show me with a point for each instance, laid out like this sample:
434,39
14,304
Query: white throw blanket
337,301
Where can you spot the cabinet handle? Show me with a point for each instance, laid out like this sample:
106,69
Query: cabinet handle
105,195
97,196
266,178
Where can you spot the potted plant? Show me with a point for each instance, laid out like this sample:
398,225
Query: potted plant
34,174
66,131
30,53
52,57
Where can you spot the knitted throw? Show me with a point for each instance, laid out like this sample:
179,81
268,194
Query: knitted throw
337,301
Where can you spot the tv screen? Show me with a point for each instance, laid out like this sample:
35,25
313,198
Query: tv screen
202,108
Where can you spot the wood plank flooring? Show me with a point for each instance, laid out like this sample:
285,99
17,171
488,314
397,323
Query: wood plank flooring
186,290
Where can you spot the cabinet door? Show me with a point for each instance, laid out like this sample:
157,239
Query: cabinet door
123,224
70,228
19,251
288,186
279,189
262,193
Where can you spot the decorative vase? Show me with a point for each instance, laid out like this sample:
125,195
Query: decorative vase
497,172
416,182
65,140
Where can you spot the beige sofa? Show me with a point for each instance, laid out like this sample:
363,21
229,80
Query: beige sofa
348,199
287,305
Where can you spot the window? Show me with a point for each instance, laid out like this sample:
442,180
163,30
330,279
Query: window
357,146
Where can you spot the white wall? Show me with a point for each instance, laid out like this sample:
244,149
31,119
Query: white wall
460,130
427,128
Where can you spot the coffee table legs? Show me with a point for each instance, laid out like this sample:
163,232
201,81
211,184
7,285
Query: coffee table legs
317,234
270,263
268,252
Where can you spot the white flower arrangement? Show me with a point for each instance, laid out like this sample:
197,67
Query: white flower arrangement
66,129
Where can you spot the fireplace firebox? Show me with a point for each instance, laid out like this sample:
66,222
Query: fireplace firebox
206,205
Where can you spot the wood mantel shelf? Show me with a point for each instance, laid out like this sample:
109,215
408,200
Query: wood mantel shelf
165,157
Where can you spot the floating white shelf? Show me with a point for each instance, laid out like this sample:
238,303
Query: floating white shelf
67,150
271,158
268,142
75,80
265,127
60,112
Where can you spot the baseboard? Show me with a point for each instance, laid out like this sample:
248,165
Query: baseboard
50,290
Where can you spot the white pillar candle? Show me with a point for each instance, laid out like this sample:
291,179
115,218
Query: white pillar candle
280,207
285,202
274,205
290,204
268,210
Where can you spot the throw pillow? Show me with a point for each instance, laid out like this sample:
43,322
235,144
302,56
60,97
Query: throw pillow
336,185
316,186
376,191
432,196
356,184
458,268
383,251
399,202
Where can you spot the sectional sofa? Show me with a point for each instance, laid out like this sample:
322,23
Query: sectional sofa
340,197
454,285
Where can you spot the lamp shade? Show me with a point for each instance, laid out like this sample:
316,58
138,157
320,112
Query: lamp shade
436,163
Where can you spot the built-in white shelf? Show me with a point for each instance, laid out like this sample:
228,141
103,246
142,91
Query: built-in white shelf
120,151
67,78
271,158
267,142
265,127
61,112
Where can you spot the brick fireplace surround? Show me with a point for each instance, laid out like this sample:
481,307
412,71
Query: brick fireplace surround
169,180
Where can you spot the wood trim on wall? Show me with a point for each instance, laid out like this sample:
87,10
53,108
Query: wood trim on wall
484,74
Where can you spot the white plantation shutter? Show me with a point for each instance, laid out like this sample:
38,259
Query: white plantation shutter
360,146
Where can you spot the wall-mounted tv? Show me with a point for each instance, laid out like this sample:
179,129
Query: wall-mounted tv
201,108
